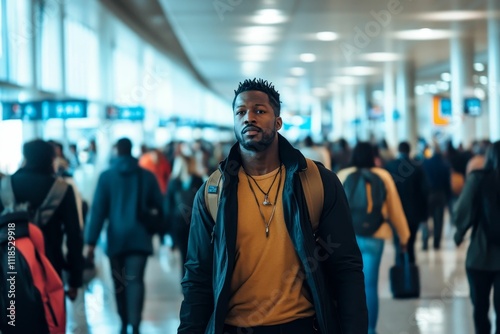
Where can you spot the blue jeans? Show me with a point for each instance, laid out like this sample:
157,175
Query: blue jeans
371,251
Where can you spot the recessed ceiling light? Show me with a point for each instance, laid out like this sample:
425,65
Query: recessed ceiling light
292,81
483,80
479,93
359,70
423,34
249,68
269,16
419,90
443,85
254,53
345,80
446,76
453,15
319,91
297,71
381,56
257,35
479,67
327,36
307,57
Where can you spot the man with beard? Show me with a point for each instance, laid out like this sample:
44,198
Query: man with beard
257,269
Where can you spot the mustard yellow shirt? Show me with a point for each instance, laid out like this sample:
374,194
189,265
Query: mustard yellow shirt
267,286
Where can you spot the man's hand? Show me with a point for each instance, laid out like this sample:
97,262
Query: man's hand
89,253
72,293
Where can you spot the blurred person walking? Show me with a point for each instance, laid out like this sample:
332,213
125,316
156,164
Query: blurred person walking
31,184
183,185
478,207
438,174
391,214
412,187
122,191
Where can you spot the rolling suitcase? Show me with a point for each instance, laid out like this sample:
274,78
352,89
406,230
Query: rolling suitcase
405,280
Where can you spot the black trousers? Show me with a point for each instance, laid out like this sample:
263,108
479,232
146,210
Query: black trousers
299,326
480,283
437,204
128,278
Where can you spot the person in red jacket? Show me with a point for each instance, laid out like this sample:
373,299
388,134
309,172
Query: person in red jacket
156,163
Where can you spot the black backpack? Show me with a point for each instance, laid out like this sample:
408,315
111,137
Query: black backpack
490,205
366,195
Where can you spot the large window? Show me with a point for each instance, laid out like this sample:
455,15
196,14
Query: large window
82,60
50,48
21,30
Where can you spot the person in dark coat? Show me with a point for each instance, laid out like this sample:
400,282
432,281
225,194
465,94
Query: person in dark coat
438,173
31,184
129,243
482,262
412,186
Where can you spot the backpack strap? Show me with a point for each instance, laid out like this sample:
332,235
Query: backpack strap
51,202
212,193
311,181
313,191
7,194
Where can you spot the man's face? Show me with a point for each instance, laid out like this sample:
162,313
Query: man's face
255,125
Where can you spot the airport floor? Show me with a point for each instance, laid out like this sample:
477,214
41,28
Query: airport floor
444,306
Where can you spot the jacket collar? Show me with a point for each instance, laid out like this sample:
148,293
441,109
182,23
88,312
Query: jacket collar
291,157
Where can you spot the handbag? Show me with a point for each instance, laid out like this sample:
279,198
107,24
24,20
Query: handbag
405,280
149,215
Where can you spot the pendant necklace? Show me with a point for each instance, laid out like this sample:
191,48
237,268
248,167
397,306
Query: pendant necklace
258,204
266,194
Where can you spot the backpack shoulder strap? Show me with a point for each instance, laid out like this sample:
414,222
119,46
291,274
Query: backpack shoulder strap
212,193
7,194
310,178
313,191
51,202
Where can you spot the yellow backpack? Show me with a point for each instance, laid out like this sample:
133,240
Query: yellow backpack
311,183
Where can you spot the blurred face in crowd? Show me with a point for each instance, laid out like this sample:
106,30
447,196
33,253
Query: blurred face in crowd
255,124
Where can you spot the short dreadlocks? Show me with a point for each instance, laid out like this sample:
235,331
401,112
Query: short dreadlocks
262,86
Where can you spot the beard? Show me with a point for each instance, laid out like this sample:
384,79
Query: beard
257,146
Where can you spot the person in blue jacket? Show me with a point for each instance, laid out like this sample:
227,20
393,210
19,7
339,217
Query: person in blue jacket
129,243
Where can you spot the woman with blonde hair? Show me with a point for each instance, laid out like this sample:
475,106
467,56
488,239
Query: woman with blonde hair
183,185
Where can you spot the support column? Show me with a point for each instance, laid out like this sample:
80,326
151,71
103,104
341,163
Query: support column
405,87
337,117
494,69
349,113
316,111
390,133
463,129
361,114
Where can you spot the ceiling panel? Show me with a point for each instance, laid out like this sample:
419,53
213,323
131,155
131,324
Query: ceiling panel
225,44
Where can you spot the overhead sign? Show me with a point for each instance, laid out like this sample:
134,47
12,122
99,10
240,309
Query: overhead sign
136,113
45,109
441,110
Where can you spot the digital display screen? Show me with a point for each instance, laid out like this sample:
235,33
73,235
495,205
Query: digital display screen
445,108
472,106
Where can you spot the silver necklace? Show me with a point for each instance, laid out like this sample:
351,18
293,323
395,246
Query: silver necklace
266,194
268,223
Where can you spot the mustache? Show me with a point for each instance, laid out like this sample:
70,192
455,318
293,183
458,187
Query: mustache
251,128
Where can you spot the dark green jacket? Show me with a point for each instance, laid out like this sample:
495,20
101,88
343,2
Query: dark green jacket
481,255
211,254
